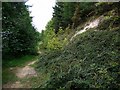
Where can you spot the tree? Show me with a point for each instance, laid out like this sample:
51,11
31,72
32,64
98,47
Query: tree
62,15
18,35
68,12
57,16
76,16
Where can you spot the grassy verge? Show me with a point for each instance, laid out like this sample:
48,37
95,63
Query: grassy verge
8,76
18,62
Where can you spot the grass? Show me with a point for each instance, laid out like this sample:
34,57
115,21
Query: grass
8,73
18,62
8,76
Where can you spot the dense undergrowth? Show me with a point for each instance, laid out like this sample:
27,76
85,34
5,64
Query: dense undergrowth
91,60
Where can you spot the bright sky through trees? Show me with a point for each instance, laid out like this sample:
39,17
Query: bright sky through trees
41,11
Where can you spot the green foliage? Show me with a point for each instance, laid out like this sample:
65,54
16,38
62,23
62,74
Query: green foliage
103,7
89,61
68,9
57,20
76,17
13,62
8,76
18,35
52,41
74,14
69,13
109,23
87,9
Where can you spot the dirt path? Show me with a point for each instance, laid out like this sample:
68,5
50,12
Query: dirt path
25,72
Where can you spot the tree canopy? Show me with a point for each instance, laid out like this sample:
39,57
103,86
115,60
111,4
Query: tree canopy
18,35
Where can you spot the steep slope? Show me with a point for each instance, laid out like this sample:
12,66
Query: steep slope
89,25
91,60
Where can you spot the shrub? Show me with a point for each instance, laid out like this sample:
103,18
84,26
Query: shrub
90,61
